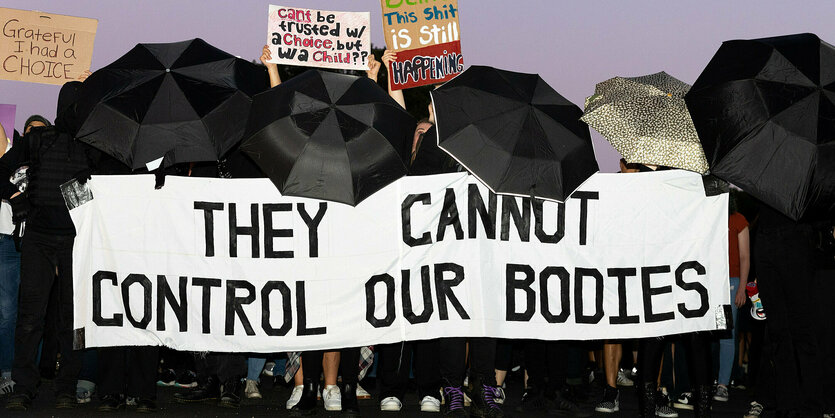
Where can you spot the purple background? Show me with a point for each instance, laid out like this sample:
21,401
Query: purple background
571,44
7,114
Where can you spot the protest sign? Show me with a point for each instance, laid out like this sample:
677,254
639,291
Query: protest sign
7,114
319,38
231,265
426,39
43,47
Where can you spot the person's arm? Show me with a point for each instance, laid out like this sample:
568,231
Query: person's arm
9,162
373,68
272,68
744,266
397,95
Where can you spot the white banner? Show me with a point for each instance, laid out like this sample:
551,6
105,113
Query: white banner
231,265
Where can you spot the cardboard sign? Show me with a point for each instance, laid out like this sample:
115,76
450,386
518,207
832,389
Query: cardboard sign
430,34
319,38
45,48
7,113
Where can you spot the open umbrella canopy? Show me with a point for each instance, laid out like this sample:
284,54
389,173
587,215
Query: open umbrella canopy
765,113
187,101
646,121
329,136
514,132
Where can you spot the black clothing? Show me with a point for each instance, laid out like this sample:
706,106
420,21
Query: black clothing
130,371
453,360
394,365
430,159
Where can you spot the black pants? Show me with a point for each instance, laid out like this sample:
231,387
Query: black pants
394,365
504,354
785,272
349,364
130,371
453,361
39,256
546,364
226,366
651,350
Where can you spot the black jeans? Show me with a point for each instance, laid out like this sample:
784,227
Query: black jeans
40,254
546,364
786,277
395,361
697,344
226,366
453,361
130,371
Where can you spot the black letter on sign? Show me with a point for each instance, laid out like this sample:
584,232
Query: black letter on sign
514,284
449,216
406,219
698,287
425,286
584,211
313,226
565,301
522,221
235,230
371,300
443,288
207,285
209,221
180,309
270,234
649,292
234,305
99,277
146,299
579,274
476,207
301,313
285,304
538,221
622,317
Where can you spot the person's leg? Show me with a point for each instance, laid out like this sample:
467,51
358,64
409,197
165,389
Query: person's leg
312,369
612,353
254,367
452,366
425,365
393,369
330,367
727,346
699,368
504,358
9,284
650,352
49,342
349,362
67,379
141,372
111,370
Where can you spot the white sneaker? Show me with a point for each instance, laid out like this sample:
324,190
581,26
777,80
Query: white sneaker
721,394
6,385
499,399
295,396
362,393
391,404
332,397
251,391
756,410
269,368
430,404
623,380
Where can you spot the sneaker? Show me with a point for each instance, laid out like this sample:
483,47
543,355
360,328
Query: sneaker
167,378
484,402
684,401
623,380
454,401
231,393
251,390
430,404
110,403
362,393
6,385
665,411
295,396
84,391
754,410
186,380
19,402
611,401
269,369
332,397
721,394
131,401
391,404
500,396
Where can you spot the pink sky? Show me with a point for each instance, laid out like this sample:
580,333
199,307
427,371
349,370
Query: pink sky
571,44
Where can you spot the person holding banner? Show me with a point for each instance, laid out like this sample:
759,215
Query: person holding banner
9,283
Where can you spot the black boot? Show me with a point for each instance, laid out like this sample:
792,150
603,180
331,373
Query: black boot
231,395
307,403
704,395
646,400
206,391
350,407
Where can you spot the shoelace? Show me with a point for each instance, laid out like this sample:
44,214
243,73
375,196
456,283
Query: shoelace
455,396
489,395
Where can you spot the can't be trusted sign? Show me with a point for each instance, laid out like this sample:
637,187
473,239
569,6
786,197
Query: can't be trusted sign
44,48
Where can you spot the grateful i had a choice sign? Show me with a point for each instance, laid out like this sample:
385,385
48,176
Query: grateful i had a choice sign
44,48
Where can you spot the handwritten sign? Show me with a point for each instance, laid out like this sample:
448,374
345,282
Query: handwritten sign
44,48
319,38
428,36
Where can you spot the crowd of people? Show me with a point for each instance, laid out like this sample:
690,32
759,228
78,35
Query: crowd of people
785,358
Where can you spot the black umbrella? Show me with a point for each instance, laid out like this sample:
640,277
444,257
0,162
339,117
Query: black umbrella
187,101
764,110
514,132
329,136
